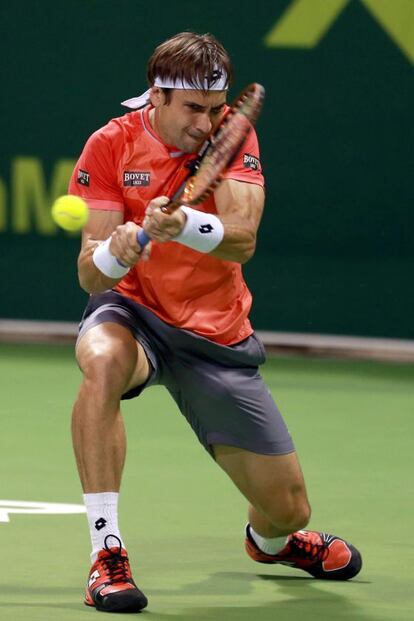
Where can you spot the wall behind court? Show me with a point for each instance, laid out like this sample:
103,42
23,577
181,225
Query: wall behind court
336,251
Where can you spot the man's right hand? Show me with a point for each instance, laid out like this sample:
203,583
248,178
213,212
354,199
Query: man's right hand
124,245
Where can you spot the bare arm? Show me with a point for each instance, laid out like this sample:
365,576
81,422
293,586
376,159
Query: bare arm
101,225
239,207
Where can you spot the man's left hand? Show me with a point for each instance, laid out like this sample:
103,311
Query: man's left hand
162,226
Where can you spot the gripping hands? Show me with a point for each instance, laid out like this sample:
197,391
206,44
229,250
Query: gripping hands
129,242
162,225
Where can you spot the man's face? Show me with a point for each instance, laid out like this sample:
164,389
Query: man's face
188,119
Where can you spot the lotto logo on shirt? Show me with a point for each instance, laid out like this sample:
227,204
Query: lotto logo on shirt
134,178
83,177
249,161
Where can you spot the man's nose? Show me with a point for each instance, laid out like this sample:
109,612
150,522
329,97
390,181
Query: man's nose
204,123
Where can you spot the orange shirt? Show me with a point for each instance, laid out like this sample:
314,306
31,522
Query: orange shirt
123,166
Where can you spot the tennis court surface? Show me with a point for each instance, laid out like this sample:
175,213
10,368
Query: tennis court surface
353,424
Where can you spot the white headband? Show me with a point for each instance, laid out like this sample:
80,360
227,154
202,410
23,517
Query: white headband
219,83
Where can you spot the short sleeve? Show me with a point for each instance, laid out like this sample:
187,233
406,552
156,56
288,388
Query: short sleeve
94,177
247,166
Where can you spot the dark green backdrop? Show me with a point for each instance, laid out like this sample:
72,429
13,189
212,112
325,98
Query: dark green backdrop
336,252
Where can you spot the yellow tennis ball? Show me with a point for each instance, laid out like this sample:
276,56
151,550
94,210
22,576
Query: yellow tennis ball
70,212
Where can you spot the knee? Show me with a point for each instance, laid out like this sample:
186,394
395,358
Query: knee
105,369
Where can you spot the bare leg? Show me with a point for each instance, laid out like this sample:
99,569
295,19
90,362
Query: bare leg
274,486
112,362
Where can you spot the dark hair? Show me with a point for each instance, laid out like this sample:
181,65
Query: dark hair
189,57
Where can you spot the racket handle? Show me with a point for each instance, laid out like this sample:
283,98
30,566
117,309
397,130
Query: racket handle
142,238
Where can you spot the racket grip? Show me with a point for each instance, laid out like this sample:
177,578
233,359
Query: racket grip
142,238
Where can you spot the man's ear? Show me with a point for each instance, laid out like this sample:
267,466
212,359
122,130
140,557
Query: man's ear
157,97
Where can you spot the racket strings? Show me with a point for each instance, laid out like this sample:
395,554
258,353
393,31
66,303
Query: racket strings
226,143
224,146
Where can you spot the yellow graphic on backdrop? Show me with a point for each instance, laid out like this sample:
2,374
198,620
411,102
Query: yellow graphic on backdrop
305,22
32,196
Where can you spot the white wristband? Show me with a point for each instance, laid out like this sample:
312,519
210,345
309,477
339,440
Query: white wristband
106,262
202,231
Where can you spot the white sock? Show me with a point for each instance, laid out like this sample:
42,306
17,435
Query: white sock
102,512
268,545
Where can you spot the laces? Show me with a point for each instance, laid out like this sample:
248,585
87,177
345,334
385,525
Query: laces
115,565
309,550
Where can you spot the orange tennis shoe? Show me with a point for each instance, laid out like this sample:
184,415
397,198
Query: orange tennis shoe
321,555
110,586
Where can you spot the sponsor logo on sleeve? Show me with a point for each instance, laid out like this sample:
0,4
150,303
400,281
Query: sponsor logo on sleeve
249,161
136,178
83,177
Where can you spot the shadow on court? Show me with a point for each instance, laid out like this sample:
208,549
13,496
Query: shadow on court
37,597
46,607
295,598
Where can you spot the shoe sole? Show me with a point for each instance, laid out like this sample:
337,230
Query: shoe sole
128,603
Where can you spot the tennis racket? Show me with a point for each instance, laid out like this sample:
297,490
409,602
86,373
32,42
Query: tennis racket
217,153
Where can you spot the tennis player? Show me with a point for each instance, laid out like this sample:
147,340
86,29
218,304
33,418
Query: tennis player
176,314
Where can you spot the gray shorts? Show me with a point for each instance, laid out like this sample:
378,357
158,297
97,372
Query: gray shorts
217,388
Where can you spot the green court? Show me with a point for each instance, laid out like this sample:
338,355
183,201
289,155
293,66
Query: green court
353,424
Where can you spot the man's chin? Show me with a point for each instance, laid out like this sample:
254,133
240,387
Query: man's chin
192,145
